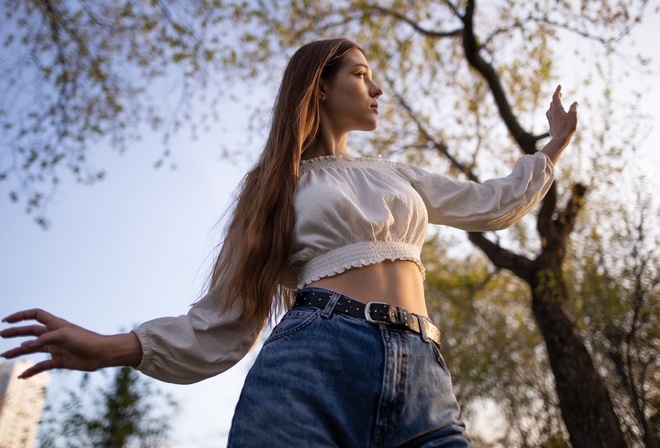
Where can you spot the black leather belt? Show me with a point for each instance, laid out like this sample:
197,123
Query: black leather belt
372,312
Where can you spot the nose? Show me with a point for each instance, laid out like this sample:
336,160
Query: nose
375,90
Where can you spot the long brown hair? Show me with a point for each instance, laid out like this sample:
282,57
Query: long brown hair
255,255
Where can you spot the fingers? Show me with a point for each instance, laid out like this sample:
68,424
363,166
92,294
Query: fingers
34,314
26,348
28,330
37,368
38,345
562,123
556,99
555,104
557,94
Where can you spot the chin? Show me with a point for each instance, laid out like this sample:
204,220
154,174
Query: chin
365,125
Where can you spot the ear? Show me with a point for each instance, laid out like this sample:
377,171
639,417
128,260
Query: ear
322,91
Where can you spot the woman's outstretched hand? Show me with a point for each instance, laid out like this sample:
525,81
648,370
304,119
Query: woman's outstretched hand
70,346
563,125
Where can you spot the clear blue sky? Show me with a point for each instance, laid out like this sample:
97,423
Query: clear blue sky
137,246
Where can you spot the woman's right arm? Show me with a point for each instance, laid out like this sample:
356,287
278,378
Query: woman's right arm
182,349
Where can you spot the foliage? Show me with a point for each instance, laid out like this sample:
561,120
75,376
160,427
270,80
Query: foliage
75,74
129,412
616,279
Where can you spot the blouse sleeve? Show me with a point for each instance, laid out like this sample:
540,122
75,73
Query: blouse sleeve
494,205
197,345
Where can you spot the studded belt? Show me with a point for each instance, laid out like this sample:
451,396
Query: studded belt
376,313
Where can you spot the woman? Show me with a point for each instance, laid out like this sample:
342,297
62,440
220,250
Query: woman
355,361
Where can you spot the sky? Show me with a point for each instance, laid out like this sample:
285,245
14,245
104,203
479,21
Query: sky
138,245
134,247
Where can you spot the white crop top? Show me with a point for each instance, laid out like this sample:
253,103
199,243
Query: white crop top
349,212
353,212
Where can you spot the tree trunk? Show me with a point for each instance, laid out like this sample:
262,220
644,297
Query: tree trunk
584,400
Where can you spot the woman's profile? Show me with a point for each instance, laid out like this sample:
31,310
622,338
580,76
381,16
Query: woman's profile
334,241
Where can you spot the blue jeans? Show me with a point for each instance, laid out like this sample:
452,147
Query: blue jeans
324,379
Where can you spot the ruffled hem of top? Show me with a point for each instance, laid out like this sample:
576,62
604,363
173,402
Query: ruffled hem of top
358,255
323,162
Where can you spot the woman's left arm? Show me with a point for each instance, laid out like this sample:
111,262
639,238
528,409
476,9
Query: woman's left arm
562,126
497,203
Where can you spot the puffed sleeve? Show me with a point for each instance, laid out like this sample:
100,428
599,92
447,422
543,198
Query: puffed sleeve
494,205
195,346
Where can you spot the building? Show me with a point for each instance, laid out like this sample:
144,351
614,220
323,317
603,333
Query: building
21,403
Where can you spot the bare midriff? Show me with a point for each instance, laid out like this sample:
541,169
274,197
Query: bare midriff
398,283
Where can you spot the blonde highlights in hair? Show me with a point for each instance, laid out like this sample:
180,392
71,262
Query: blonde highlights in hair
252,264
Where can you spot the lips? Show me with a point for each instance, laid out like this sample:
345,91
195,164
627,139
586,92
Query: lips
375,107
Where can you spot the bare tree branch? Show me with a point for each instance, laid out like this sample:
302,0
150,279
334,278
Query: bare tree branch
526,141
439,145
502,258
416,26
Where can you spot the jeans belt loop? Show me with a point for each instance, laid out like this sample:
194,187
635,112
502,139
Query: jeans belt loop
422,328
399,315
330,306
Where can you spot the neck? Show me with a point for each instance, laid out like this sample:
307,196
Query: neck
327,144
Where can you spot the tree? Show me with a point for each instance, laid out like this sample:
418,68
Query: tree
466,77
127,413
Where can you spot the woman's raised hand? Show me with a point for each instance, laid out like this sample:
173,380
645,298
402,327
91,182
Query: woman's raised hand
563,125
70,346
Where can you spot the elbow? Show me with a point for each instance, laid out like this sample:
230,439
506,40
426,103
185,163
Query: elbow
488,226
492,223
502,223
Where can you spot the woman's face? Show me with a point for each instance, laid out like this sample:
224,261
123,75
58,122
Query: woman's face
350,96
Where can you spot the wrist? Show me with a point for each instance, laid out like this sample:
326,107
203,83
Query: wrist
556,146
121,350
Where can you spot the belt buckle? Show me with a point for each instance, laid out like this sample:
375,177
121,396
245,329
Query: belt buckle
367,313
